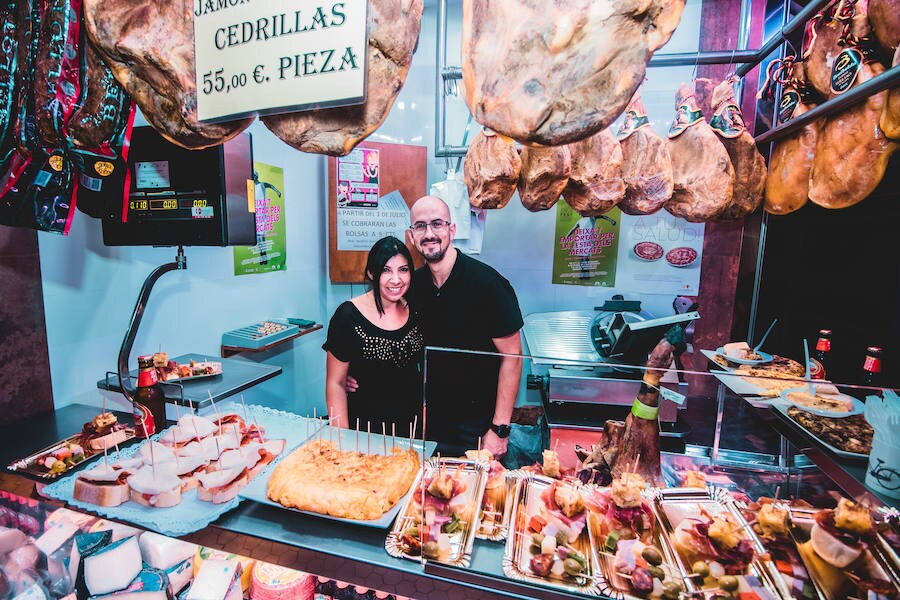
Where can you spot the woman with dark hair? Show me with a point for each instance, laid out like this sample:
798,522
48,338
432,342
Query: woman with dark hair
376,338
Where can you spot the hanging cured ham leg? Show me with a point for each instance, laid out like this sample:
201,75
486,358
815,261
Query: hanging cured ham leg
704,177
787,186
545,172
393,27
827,35
595,184
852,151
884,15
491,170
646,166
749,165
639,445
150,48
554,73
890,115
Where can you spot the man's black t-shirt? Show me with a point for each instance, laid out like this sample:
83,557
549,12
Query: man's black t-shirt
473,306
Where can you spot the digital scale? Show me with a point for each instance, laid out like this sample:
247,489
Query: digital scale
186,197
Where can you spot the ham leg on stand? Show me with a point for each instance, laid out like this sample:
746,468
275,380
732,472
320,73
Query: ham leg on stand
639,444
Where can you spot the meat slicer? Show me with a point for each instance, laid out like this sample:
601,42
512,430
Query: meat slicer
585,362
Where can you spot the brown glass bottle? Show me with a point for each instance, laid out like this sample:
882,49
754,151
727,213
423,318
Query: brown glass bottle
872,367
818,366
149,401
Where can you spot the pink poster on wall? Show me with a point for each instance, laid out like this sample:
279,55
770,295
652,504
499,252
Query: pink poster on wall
357,179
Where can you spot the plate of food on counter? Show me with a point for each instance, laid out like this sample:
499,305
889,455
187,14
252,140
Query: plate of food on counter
102,432
823,399
633,556
345,475
844,553
549,542
715,549
442,515
169,370
183,478
740,353
847,436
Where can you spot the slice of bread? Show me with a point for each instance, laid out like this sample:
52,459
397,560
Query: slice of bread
101,494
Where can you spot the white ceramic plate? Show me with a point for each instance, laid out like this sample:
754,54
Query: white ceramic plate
766,357
856,406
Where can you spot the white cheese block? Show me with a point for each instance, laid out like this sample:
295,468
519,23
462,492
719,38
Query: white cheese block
180,575
215,580
161,552
119,531
112,568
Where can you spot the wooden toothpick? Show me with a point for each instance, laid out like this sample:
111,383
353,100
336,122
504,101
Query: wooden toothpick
357,435
368,437
383,438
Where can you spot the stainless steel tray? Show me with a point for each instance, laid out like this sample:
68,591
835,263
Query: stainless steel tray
676,504
836,584
616,585
516,556
474,474
494,525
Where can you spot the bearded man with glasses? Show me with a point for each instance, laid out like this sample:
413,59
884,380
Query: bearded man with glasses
464,304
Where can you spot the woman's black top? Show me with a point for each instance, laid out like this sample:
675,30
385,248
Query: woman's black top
386,364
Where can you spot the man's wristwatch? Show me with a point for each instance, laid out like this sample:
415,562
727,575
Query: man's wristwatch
502,431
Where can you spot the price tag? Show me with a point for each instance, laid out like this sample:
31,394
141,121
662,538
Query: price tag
672,395
278,56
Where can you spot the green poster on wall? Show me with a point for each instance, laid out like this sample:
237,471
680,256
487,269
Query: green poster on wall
585,248
269,253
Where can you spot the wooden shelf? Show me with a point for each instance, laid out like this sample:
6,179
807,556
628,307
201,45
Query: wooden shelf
227,351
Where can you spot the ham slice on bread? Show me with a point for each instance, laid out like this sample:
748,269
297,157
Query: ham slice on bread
221,486
160,490
103,486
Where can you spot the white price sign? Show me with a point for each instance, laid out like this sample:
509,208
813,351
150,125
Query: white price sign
271,56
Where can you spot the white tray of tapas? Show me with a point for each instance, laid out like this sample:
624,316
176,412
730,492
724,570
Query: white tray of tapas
188,475
333,474
441,516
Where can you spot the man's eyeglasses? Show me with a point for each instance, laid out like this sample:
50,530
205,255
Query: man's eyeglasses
437,226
